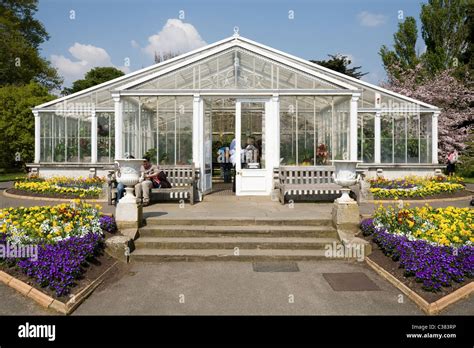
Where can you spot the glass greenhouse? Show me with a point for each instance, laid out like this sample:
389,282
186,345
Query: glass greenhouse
291,111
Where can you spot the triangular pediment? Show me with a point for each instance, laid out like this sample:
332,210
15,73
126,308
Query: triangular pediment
236,65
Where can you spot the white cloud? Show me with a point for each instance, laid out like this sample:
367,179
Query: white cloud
175,37
368,19
85,57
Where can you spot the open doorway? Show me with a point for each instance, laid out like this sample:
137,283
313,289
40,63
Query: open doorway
219,113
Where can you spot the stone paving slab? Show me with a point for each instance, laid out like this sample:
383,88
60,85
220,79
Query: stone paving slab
232,288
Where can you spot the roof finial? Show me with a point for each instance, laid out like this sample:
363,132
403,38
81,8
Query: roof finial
236,31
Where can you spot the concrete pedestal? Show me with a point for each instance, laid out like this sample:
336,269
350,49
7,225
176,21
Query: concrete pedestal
346,220
128,215
119,247
346,215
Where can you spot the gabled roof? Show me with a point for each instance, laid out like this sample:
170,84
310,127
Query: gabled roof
140,76
237,41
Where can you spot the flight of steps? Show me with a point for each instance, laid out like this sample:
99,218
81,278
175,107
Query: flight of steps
233,239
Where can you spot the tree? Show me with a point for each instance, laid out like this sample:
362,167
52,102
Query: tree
404,55
445,33
94,77
455,99
17,121
20,61
340,63
161,57
467,58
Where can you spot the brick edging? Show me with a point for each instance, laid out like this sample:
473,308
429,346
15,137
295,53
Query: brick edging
429,308
49,302
49,199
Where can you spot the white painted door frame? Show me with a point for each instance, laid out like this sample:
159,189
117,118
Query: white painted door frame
256,182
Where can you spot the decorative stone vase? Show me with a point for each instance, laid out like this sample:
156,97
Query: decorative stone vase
128,173
345,176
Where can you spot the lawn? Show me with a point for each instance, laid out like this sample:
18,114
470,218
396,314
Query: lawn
11,176
469,180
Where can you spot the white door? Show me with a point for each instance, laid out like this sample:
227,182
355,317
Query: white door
253,171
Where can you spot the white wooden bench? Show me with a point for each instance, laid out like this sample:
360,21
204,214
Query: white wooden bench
183,180
305,180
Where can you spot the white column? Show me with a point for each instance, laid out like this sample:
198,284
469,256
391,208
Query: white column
197,120
118,127
276,129
353,127
93,137
434,141
37,136
377,136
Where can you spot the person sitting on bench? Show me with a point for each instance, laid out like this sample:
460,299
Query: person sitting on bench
143,188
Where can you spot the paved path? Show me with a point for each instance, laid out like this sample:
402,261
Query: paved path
230,287
226,288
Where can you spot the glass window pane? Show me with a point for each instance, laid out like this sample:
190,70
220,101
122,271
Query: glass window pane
425,138
288,130
46,136
59,138
399,132
105,137
413,127
386,130
366,137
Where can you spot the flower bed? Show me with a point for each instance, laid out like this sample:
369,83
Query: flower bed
67,236
433,264
62,186
449,226
412,187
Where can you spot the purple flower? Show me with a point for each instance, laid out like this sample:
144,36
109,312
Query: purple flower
107,223
434,266
59,265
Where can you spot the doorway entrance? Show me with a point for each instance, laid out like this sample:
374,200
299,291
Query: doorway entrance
236,148
219,129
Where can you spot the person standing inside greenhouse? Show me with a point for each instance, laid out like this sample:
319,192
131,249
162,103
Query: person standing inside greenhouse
451,162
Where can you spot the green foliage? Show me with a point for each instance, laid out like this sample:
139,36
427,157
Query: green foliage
466,160
94,77
17,122
467,58
340,63
445,33
151,154
404,54
21,35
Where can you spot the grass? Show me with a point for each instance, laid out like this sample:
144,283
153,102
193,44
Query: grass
469,180
11,176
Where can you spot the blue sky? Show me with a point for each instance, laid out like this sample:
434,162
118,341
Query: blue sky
106,32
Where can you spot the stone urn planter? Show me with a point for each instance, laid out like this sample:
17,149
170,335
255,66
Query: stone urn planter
128,173
345,175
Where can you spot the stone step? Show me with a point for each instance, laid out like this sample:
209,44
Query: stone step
240,221
238,231
153,255
233,242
